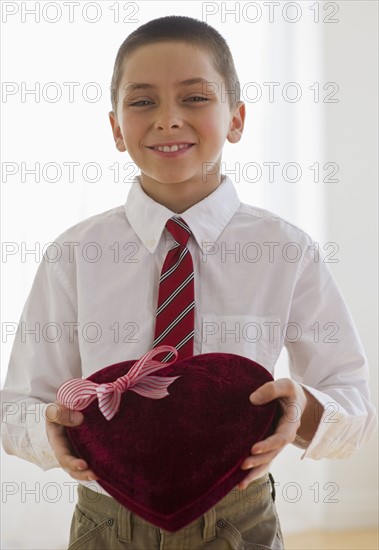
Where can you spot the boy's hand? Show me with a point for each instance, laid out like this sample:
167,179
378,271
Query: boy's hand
294,401
57,417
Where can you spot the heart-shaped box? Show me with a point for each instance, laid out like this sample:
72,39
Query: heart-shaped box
170,460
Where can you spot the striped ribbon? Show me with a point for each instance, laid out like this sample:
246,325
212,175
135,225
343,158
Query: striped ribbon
78,393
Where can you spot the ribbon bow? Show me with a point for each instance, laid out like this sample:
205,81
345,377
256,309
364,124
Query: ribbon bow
78,393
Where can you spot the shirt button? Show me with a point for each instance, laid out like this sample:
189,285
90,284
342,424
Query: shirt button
151,242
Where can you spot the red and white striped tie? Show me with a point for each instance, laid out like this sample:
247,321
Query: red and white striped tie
176,298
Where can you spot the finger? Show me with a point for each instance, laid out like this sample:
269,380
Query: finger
253,475
55,412
60,443
258,460
275,442
76,467
284,387
78,474
285,433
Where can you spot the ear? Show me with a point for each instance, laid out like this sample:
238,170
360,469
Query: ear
118,138
237,123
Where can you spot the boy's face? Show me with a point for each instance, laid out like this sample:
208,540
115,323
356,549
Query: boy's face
170,112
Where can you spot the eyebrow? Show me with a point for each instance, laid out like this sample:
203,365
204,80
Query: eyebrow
188,82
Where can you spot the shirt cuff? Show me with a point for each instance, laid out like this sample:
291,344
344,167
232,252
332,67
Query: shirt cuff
335,430
42,453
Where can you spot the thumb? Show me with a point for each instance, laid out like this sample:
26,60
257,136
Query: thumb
263,394
55,412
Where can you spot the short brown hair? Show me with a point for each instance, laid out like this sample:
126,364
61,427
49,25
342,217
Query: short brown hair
181,29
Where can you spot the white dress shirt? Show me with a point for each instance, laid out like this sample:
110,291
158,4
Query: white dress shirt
259,285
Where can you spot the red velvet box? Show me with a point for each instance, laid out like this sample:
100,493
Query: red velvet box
169,460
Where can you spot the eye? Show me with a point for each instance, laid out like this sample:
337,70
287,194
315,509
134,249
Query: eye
197,97
138,103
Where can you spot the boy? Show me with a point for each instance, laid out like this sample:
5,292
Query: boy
175,101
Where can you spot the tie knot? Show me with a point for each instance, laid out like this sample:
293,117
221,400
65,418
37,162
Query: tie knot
179,230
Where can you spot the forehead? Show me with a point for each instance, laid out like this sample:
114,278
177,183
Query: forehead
168,63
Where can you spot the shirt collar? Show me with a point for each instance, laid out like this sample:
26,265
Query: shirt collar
206,219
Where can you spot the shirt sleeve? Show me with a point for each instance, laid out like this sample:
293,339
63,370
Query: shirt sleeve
327,358
45,354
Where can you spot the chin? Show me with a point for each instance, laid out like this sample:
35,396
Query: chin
173,179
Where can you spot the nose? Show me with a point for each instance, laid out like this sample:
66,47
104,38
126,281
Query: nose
168,117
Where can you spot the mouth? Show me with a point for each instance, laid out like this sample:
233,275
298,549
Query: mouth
171,147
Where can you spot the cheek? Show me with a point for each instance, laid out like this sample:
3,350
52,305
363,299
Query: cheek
211,128
131,135
215,126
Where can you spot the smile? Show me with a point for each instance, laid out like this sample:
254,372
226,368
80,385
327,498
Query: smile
172,148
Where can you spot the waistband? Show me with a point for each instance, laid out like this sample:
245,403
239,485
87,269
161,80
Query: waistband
234,502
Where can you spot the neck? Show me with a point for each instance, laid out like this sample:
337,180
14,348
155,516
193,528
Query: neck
179,197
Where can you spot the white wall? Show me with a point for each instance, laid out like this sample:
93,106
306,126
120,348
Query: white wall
351,59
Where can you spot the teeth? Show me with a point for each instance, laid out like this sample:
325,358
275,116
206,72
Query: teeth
173,148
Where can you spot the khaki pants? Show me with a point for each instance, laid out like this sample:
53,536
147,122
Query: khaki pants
242,520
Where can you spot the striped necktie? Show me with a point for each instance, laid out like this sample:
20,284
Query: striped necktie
176,298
